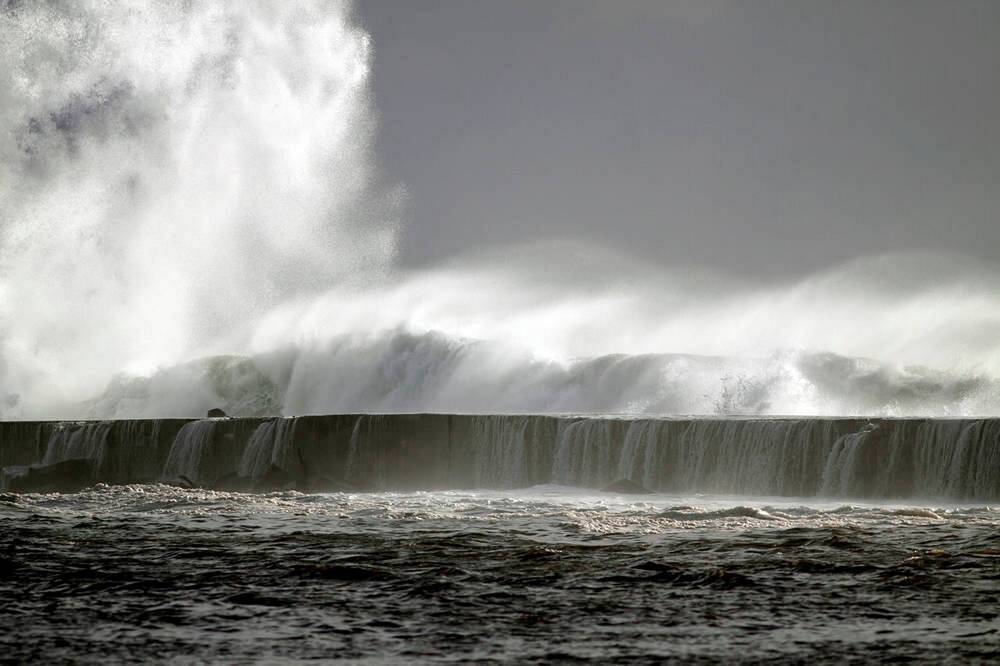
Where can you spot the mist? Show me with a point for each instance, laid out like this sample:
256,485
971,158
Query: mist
194,214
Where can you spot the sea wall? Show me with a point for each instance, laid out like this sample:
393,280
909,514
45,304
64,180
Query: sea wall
950,459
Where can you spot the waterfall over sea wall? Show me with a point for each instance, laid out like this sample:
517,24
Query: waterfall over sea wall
270,444
860,458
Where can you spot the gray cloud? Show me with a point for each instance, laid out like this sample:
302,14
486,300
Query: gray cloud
768,138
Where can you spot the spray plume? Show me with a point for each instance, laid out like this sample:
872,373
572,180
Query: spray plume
184,180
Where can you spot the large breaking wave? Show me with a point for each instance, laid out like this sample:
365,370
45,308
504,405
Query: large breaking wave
405,372
190,217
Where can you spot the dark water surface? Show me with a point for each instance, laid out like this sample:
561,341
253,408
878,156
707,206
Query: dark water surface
156,573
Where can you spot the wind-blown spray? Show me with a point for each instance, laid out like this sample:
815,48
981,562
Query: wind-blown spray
183,180
168,172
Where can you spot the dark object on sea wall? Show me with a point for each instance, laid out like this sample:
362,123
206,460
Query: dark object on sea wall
626,487
215,413
942,459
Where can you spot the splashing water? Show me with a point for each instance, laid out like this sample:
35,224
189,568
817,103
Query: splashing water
179,181
169,172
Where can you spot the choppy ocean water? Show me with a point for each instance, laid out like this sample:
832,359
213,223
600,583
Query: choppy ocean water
157,573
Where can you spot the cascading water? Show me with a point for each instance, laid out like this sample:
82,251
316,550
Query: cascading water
860,458
379,453
140,449
190,456
87,441
513,451
587,452
270,445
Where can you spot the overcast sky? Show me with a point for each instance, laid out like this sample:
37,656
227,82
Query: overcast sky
766,138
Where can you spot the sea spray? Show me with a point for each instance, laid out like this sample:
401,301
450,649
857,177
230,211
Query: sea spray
181,181
168,172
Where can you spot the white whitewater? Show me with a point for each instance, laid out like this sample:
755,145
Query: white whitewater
192,179
169,171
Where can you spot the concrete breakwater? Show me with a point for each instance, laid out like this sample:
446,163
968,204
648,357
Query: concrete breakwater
948,459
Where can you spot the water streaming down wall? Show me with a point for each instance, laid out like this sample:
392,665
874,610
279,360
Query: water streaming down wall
188,457
138,449
75,454
399,451
895,458
588,452
511,451
84,441
22,442
760,457
269,445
